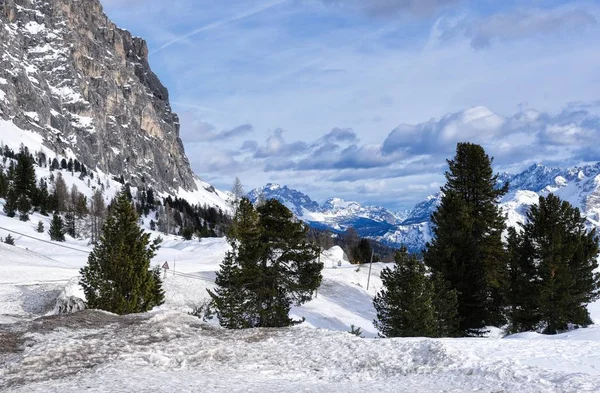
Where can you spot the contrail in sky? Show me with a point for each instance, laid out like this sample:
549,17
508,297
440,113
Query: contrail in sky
220,23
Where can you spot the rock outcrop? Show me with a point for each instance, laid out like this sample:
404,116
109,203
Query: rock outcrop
85,85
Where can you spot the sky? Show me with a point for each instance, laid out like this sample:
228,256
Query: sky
365,100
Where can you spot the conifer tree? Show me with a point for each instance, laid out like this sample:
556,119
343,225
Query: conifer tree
3,183
445,307
10,206
24,206
552,263
405,304
117,277
24,175
40,227
467,247
57,231
269,268
9,240
363,251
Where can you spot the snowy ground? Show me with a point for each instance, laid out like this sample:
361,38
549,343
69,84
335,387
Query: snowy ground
168,350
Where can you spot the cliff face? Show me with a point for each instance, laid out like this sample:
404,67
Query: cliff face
68,73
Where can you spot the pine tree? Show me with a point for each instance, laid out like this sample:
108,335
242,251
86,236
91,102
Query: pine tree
445,307
57,231
552,263
117,277
467,247
405,304
70,227
9,240
363,251
10,206
24,206
24,176
270,267
40,227
3,183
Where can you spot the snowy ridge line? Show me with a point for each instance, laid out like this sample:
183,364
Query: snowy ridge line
44,241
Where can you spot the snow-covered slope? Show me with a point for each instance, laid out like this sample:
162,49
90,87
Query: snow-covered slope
13,137
168,350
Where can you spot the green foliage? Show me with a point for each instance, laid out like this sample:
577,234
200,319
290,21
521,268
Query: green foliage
9,240
118,277
40,227
363,251
270,267
57,229
405,304
445,307
10,207
467,248
552,263
355,330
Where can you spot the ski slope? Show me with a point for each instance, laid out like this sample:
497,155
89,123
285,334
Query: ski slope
168,350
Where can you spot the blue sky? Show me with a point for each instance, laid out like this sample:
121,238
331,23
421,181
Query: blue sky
366,99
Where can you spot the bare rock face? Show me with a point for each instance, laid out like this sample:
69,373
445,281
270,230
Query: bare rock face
68,73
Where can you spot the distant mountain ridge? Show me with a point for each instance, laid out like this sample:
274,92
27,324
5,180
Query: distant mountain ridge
579,185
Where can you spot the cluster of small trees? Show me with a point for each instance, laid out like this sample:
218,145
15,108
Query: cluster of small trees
541,279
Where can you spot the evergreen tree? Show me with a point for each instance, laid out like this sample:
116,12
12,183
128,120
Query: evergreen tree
467,247
10,206
24,175
24,206
9,240
40,227
117,277
445,307
43,197
270,267
405,304
363,251
70,227
3,183
57,231
552,263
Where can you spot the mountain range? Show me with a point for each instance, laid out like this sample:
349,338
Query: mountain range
579,185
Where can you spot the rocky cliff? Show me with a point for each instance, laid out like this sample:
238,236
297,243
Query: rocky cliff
69,74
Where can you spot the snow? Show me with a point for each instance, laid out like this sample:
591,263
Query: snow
2,95
32,115
34,28
3,81
167,349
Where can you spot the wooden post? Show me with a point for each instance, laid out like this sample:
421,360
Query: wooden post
370,266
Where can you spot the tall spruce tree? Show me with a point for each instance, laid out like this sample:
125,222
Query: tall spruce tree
552,263
271,267
57,229
10,206
117,277
467,247
405,304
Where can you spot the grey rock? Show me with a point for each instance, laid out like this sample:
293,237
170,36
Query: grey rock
68,73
